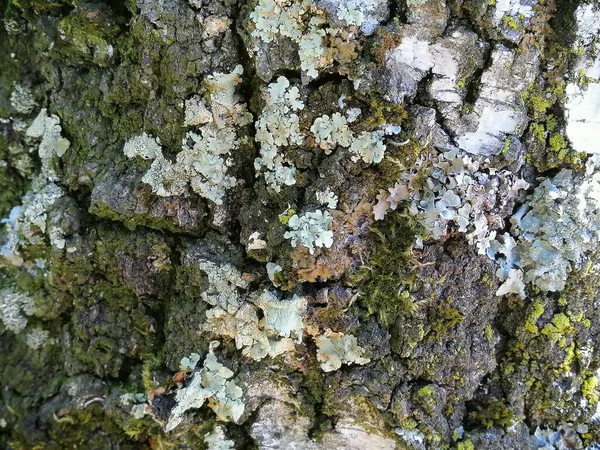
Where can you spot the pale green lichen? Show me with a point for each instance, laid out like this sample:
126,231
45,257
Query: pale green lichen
288,18
310,48
350,16
329,132
335,349
327,198
26,224
144,146
236,315
283,317
204,160
215,440
453,189
305,24
310,230
212,382
278,126
37,338
368,146
57,237
554,230
224,284
196,112
47,127
273,18
273,270
139,404
245,328
14,306
21,99
188,364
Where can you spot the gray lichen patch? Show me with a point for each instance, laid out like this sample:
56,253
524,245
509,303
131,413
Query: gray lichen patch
21,99
209,383
14,307
204,159
335,349
555,230
303,27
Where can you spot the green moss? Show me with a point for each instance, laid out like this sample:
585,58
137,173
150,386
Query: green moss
382,112
493,413
313,379
87,35
152,363
38,7
540,104
538,132
557,144
487,281
505,146
385,280
286,216
425,391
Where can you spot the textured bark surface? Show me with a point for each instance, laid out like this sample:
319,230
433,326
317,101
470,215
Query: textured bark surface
117,284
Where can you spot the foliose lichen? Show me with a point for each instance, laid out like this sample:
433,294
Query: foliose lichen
204,159
278,126
304,23
551,233
236,316
335,349
26,224
14,307
52,144
22,100
215,440
453,189
212,382
310,230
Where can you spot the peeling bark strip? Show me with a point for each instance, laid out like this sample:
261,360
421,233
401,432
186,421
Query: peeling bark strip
299,224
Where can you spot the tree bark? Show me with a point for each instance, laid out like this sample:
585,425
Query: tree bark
285,224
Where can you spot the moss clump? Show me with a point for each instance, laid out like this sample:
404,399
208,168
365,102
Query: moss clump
382,112
491,414
385,280
87,34
488,332
539,105
38,7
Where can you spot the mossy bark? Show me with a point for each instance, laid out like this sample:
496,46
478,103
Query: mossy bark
122,300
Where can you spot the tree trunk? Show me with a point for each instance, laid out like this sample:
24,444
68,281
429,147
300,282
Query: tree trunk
299,224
